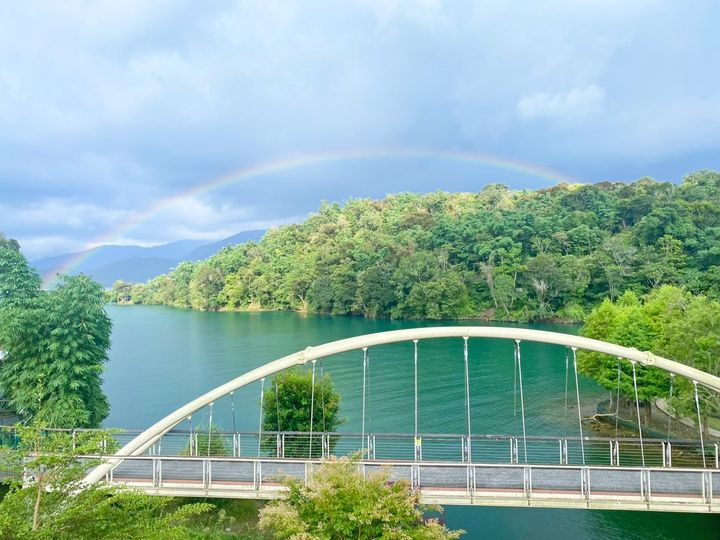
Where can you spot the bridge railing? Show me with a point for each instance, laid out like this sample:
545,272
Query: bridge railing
493,449
449,447
647,485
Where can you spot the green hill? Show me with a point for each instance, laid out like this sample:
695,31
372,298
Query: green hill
497,254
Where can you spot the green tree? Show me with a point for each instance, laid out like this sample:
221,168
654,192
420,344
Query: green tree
298,282
668,321
121,292
614,259
18,282
205,287
56,344
444,296
339,503
52,504
181,278
375,293
549,280
9,243
286,407
208,441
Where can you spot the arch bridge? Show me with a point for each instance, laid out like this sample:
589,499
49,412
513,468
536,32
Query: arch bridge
636,473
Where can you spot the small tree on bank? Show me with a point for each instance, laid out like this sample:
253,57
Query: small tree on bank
670,322
338,503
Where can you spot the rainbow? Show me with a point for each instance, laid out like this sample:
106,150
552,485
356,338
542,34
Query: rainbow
300,161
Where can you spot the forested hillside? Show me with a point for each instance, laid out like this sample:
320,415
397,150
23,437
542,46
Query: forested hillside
496,254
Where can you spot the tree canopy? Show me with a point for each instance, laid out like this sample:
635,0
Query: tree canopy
287,405
338,503
500,254
55,345
668,321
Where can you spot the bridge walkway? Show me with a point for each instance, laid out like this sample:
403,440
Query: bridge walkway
557,486
443,468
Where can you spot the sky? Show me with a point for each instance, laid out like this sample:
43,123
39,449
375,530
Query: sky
114,114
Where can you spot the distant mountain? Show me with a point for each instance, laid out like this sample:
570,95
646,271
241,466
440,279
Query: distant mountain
134,270
84,261
107,264
208,250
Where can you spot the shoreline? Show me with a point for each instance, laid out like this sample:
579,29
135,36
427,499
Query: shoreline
550,320
654,423
661,405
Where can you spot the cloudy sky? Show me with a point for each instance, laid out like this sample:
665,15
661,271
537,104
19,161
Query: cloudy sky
110,111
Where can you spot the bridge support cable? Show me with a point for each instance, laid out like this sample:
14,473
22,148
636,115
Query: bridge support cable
700,426
577,395
370,436
210,429
312,408
567,373
415,400
515,386
277,403
232,409
672,379
262,403
191,445
364,394
637,408
617,398
522,397
467,399
322,399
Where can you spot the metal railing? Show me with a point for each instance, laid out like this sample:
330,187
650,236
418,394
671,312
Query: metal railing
444,447
491,449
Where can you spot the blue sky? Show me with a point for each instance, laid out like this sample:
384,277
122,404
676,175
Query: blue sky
109,107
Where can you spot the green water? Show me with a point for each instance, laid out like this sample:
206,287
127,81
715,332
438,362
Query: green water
162,358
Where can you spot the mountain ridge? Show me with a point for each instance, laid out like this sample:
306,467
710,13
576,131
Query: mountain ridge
109,263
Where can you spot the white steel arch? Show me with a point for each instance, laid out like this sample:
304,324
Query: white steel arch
148,437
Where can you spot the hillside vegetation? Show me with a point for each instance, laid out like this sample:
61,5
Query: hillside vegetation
497,254
670,322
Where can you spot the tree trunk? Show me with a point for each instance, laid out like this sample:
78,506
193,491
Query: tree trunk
36,509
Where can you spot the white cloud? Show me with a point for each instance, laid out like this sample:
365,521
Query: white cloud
685,125
59,213
107,106
424,12
571,105
195,218
36,247
188,218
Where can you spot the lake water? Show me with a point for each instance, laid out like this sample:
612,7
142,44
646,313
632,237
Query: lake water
162,358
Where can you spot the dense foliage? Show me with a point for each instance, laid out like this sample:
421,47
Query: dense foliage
339,503
497,254
55,345
287,405
668,321
50,505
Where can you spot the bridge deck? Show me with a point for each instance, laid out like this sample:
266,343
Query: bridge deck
558,486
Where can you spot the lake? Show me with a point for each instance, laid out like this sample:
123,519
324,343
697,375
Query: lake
162,358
